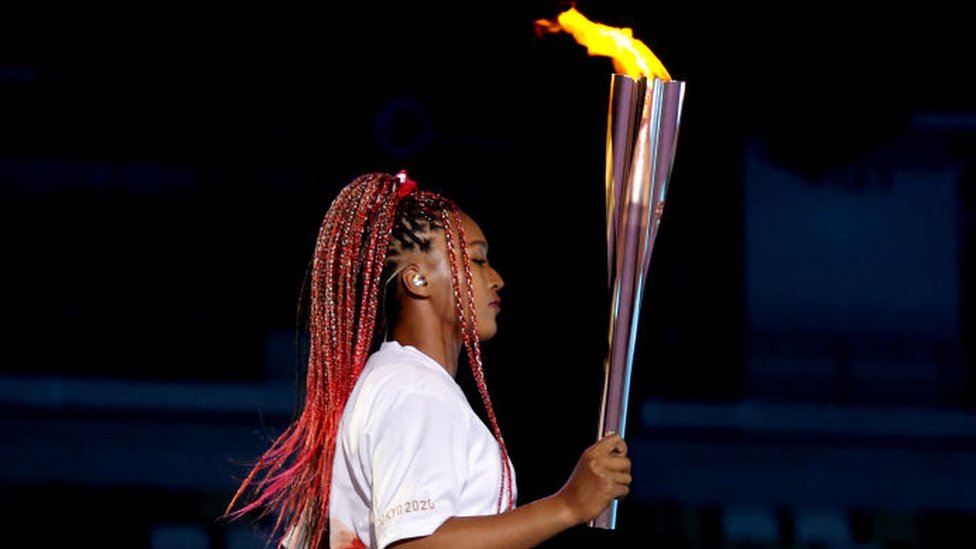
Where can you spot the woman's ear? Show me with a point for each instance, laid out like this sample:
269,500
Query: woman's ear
414,282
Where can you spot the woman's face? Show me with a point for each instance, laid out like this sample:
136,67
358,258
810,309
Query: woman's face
485,281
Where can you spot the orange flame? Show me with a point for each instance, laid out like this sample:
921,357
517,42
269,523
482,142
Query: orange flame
629,55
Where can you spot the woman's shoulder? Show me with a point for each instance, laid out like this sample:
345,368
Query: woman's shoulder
397,383
403,370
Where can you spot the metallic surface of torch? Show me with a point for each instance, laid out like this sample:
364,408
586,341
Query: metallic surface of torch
642,131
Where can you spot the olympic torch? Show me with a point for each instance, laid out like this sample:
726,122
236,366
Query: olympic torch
642,132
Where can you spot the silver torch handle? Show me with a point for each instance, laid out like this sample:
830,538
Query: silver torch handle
642,132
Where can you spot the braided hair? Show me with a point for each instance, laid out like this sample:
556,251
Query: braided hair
373,220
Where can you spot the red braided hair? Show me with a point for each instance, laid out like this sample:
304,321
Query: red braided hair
294,475
472,343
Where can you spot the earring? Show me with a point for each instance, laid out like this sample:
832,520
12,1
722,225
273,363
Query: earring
417,281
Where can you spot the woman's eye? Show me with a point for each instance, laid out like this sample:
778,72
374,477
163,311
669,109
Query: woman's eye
480,261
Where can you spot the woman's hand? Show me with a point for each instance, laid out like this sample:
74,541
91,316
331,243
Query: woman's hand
602,474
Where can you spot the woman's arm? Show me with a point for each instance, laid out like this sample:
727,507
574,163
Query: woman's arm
602,474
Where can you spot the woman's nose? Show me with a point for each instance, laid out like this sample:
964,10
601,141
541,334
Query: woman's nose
498,281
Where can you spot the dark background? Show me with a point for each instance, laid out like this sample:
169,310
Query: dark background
163,173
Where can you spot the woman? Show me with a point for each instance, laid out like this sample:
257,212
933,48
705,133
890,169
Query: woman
387,450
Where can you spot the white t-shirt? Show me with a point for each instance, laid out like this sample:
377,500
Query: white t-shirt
410,453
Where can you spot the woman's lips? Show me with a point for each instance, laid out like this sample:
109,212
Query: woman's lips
497,304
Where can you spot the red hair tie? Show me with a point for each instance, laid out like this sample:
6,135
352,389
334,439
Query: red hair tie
406,186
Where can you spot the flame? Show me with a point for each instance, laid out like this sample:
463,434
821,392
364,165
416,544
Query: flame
629,55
